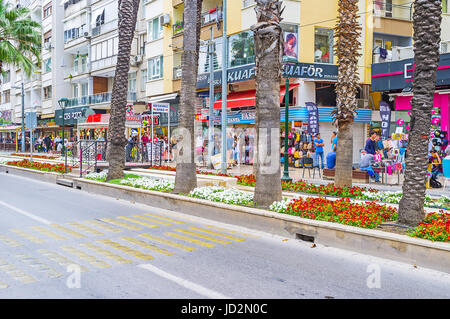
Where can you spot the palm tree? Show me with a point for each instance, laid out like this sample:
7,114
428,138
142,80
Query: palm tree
186,176
128,10
269,54
427,19
20,38
347,32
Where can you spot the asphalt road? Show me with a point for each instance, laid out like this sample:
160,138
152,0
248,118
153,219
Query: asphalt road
57,242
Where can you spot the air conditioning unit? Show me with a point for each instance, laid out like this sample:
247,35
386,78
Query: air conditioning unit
47,45
164,20
136,60
86,34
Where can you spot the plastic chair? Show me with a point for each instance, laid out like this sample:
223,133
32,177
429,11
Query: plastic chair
308,163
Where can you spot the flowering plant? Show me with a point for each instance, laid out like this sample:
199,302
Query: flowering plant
223,195
436,227
46,167
149,183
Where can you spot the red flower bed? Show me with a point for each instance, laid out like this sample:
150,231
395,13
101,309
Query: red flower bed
436,227
35,156
46,167
246,180
163,168
343,211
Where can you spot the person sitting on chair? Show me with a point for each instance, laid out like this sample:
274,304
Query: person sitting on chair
365,165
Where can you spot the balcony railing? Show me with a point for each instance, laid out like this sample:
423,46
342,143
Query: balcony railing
103,28
212,16
394,11
403,53
178,27
99,98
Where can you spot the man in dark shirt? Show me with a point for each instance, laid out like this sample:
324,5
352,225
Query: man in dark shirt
370,147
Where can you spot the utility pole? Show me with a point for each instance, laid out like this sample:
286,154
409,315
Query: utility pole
224,88
211,100
23,119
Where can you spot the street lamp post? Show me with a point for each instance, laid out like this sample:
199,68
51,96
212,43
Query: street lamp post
63,104
23,115
286,177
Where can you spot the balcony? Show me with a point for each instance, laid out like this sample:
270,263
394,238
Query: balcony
212,16
104,28
178,27
383,9
177,73
99,98
403,53
104,63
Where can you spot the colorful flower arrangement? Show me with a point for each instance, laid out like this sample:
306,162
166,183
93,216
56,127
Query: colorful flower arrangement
164,168
436,227
343,211
35,156
46,167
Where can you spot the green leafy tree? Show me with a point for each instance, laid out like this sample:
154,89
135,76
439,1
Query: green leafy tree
20,38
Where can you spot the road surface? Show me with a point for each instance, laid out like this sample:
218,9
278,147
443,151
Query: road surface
57,242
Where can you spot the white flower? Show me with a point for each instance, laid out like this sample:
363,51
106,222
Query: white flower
149,183
223,195
97,176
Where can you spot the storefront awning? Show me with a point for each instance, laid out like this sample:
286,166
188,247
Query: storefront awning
163,98
247,98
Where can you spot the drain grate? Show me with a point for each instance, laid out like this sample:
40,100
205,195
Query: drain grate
304,237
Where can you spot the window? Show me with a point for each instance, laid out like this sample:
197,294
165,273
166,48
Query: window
323,45
142,44
132,82
6,96
83,64
48,65
84,89
155,29
6,76
75,90
143,79
241,49
48,36
445,6
48,92
155,70
75,65
247,3
47,10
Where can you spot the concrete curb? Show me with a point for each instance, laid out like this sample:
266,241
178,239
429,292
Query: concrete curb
31,173
434,255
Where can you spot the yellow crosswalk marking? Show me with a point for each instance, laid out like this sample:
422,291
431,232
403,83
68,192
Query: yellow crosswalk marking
152,220
9,241
217,240
119,223
60,260
85,228
189,239
28,236
15,273
83,256
107,253
166,218
126,249
48,233
139,222
143,244
231,231
217,234
3,285
167,242
35,263
68,231
104,226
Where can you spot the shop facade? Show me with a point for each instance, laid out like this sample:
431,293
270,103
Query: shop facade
395,80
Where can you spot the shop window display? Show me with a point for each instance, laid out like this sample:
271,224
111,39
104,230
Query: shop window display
323,45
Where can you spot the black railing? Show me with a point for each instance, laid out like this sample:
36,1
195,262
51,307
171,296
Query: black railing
87,154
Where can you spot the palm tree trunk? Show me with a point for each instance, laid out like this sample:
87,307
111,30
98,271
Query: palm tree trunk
269,55
347,46
186,175
427,33
116,134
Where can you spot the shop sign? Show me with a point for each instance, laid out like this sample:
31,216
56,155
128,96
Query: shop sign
71,115
313,118
399,75
385,114
292,70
